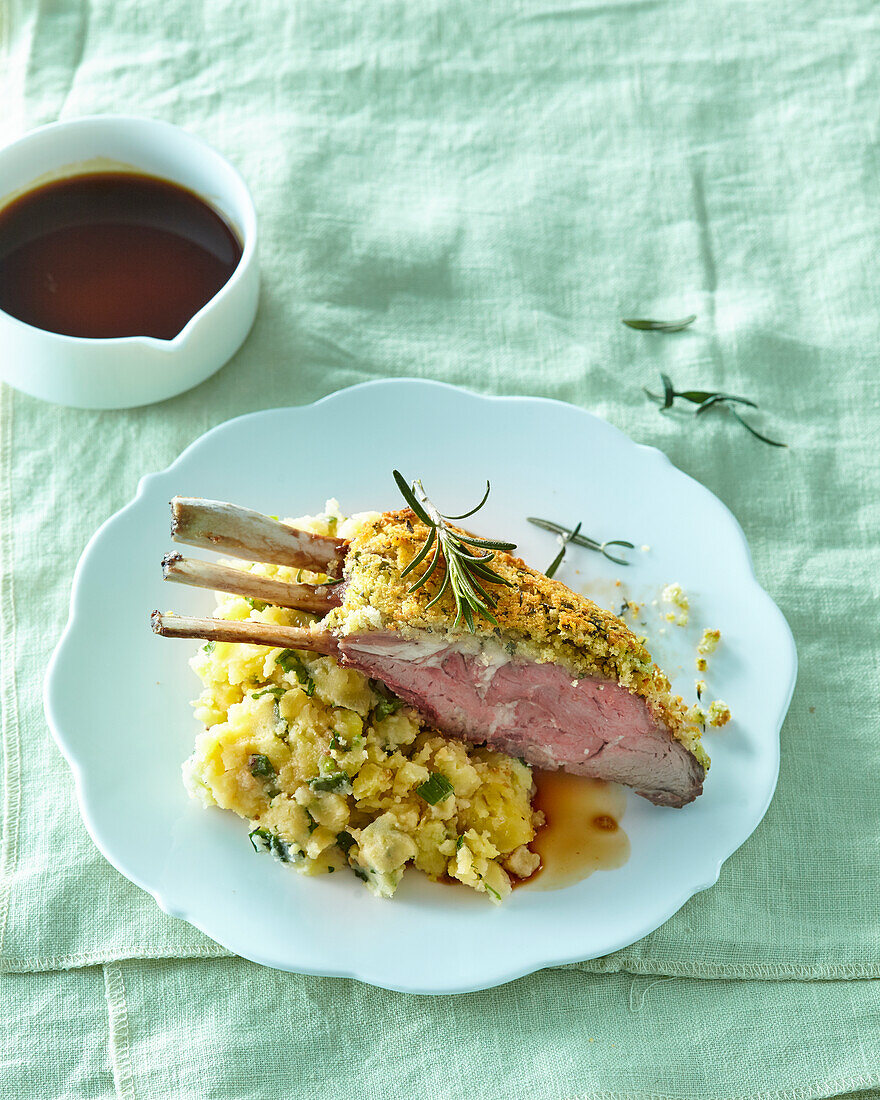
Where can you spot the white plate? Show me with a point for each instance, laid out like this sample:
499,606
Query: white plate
117,696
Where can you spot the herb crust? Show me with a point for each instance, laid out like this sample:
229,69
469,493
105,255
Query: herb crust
537,618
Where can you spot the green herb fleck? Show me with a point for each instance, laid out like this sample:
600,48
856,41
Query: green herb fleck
276,691
261,766
435,789
388,702
385,707
208,647
338,781
290,661
491,890
339,745
265,841
257,605
459,843
344,841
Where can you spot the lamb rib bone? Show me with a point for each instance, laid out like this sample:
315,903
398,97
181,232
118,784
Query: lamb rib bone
243,533
226,630
316,599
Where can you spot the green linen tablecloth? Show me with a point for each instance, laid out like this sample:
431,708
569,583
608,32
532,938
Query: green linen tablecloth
477,191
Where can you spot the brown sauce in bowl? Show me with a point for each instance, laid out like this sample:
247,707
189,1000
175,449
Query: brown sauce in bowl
582,833
112,254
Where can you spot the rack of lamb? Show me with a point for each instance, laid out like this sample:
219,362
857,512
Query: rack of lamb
546,675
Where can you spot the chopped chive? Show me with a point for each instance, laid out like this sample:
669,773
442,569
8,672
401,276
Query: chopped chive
491,889
208,647
385,707
261,766
257,605
338,781
290,661
387,704
344,841
435,789
459,843
268,842
339,745
276,691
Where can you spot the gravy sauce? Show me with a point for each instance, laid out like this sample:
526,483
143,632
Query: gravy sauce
112,254
582,833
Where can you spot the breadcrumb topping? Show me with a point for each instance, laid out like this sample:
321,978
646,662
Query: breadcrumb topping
539,619
718,713
674,594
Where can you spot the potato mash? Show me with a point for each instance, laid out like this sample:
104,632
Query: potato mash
334,772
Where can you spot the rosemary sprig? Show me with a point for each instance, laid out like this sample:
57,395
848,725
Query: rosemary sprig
578,539
755,433
467,571
660,326
705,400
564,540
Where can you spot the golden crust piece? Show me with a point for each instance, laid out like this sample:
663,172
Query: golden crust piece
538,618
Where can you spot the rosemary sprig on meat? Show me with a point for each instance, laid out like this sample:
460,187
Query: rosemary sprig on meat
574,536
466,569
707,399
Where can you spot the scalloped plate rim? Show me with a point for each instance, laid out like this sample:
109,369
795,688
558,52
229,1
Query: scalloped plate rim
365,973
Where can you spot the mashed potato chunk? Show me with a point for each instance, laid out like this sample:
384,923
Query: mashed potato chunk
332,771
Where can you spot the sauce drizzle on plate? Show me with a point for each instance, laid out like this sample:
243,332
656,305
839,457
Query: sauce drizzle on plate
582,833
